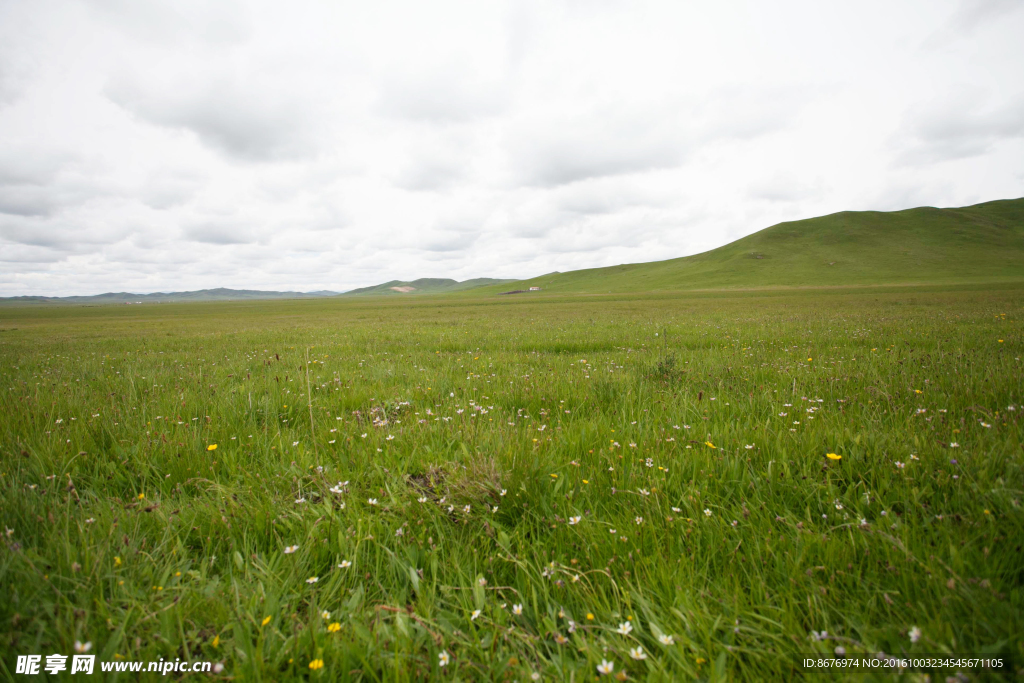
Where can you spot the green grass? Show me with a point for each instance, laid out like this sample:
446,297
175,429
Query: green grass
982,243
127,532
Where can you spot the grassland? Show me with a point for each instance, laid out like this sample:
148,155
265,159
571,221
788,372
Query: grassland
524,486
981,243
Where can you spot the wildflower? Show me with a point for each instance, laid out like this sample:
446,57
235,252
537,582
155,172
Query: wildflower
300,501
466,509
676,510
91,520
560,639
141,495
643,492
482,581
372,501
900,465
316,664
590,616
666,639
624,628
216,641
81,648
266,620
517,609
334,628
611,531
363,435
495,509
833,456
915,634
290,549
312,579
535,676
735,523
296,443
605,667
637,653
117,560
325,614
707,512
954,444
212,447
819,635
345,564
422,499
639,520
443,658
474,615
503,492
709,444
840,651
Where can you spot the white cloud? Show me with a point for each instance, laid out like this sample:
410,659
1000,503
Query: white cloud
180,145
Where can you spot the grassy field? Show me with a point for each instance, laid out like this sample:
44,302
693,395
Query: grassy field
703,486
981,243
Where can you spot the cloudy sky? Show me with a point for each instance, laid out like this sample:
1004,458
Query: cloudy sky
172,145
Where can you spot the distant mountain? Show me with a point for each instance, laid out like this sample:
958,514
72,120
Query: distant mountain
219,294
980,243
424,285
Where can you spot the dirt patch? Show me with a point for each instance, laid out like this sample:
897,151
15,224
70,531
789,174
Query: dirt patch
476,481
429,483
403,290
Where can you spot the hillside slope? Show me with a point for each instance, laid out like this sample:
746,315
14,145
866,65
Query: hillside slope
980,243
425,285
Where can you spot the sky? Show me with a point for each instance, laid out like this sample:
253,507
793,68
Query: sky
169,146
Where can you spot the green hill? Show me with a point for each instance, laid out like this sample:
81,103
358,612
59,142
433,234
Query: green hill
980,243
425,285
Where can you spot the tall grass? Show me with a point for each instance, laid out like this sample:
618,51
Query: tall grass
444,449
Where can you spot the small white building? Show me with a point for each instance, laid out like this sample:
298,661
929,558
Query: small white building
534,289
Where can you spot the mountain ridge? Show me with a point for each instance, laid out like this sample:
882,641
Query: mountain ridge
979,243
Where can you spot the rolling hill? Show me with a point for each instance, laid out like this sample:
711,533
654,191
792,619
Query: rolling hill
425,285
219,294
980,243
